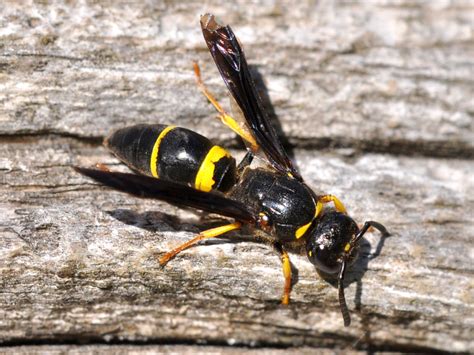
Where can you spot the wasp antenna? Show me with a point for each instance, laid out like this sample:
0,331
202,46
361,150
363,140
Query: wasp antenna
342,299
369,224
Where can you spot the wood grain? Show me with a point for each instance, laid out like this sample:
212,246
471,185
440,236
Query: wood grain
376,101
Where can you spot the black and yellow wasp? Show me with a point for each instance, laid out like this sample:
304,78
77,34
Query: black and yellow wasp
182,167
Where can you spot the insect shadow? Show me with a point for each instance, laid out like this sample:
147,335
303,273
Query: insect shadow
262,89
154,221
357,271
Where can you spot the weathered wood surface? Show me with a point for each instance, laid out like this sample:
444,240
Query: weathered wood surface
154,349
386,87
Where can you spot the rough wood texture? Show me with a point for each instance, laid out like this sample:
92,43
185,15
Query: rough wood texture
154,349
386,88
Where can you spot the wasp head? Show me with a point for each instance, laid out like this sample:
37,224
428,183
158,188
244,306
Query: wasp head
332,241
332,244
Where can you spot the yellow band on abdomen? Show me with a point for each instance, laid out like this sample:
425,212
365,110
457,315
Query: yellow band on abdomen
205,176
156,148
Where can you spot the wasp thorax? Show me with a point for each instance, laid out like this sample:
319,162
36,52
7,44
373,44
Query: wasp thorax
330,239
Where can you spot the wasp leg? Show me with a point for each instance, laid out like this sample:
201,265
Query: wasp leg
102,167
326,199
210,233
223,116
286,265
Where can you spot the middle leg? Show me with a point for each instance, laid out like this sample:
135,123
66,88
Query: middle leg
286,266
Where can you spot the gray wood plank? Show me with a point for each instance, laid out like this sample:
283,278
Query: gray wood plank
377,100
387,77
79,261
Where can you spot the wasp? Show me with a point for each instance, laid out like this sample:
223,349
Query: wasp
182,167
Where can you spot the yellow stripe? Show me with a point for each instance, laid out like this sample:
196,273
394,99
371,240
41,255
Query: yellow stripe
205,175
154,152
302,230
319,208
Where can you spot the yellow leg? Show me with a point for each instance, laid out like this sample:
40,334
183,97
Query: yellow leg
286,265
102,167
210,233
326,199
224,117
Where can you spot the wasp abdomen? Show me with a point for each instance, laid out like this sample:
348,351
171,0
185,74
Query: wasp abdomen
174,154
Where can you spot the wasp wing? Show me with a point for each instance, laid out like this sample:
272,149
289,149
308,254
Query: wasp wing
171,192
230,60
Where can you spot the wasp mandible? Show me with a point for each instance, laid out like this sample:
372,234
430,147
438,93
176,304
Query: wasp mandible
182,167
